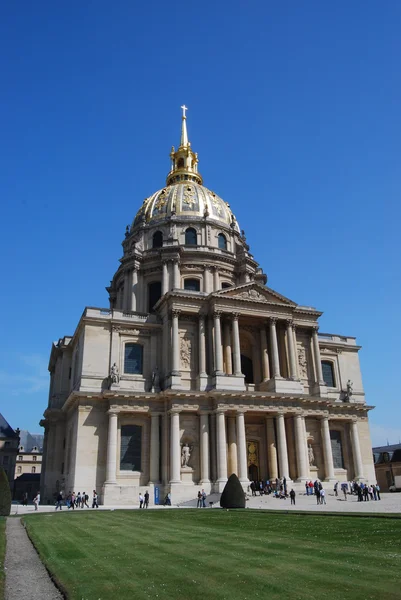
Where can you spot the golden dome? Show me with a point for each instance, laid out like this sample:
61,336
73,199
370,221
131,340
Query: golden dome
184,195
185,199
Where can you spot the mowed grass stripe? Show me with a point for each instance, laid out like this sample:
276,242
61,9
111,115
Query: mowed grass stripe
217,554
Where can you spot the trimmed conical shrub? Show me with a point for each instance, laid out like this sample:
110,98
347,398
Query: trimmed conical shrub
233,495
5,494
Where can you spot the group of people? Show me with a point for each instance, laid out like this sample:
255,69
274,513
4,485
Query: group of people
278,487
144,500
364,491
201,499
76,500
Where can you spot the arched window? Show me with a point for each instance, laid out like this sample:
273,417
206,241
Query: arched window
328,373
190,237
154,294
133,359
222,240
157,240
131,448
192,284
19,469
34,458
33,469
225,285
180,163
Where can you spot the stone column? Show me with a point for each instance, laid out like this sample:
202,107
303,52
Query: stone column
271,448
265,355
134,290
175,341
202,345
236,345
232,446
282,447
213,447
204,447
227,348
316,354
206,282
294,335
291,351
154,448
175,449
300,443
327,452
218,355
216,279
274,347
176,275
111,466
242,458
221,447
165,277
356,451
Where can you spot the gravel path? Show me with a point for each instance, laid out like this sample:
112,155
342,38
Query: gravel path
26,577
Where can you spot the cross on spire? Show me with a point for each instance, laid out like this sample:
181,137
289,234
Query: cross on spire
184,108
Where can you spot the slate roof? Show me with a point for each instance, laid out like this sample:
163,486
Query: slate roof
6,431
29,440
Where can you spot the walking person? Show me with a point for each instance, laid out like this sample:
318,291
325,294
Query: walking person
203,499
94,500
140,500
85,499
336,488
59,502
36,501
78,500
292,496
72,505
317,494
378,491
146,499
199,503
322,496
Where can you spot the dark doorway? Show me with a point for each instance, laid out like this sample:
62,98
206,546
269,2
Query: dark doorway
155,293
247,368
253,473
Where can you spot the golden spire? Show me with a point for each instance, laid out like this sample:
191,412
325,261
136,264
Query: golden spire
184,162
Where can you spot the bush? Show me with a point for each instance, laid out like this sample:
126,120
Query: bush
5,494
233,495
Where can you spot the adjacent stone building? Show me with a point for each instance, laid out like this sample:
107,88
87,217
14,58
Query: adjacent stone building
29,465
9,441
197,369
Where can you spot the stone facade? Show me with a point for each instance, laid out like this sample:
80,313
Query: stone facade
197,369
9,441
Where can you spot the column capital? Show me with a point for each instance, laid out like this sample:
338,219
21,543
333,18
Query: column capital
113,412
201,316
175,312
241,411
217,313
218,411
315,328
235,316
289,323
273,320
156,413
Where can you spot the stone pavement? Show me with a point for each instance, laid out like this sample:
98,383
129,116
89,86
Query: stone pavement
389,503
26,577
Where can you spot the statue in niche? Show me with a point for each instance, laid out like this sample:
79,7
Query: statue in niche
155,380
311,456
185,454
114,374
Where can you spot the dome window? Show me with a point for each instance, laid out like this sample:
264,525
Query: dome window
222,241
192,284
157,240
154,294
180,163
190,237
225,285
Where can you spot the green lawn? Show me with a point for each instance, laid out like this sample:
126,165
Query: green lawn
2,554
214,554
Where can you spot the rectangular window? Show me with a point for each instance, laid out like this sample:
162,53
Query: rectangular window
337,449
133,359
131,447
20,458
328,373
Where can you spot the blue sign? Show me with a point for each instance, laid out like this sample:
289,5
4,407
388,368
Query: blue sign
157,492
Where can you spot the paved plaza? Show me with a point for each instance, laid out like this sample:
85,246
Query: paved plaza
389,503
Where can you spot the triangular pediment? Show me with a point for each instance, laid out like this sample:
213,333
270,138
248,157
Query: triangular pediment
254,292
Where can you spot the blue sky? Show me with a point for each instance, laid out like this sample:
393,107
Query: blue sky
294,109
